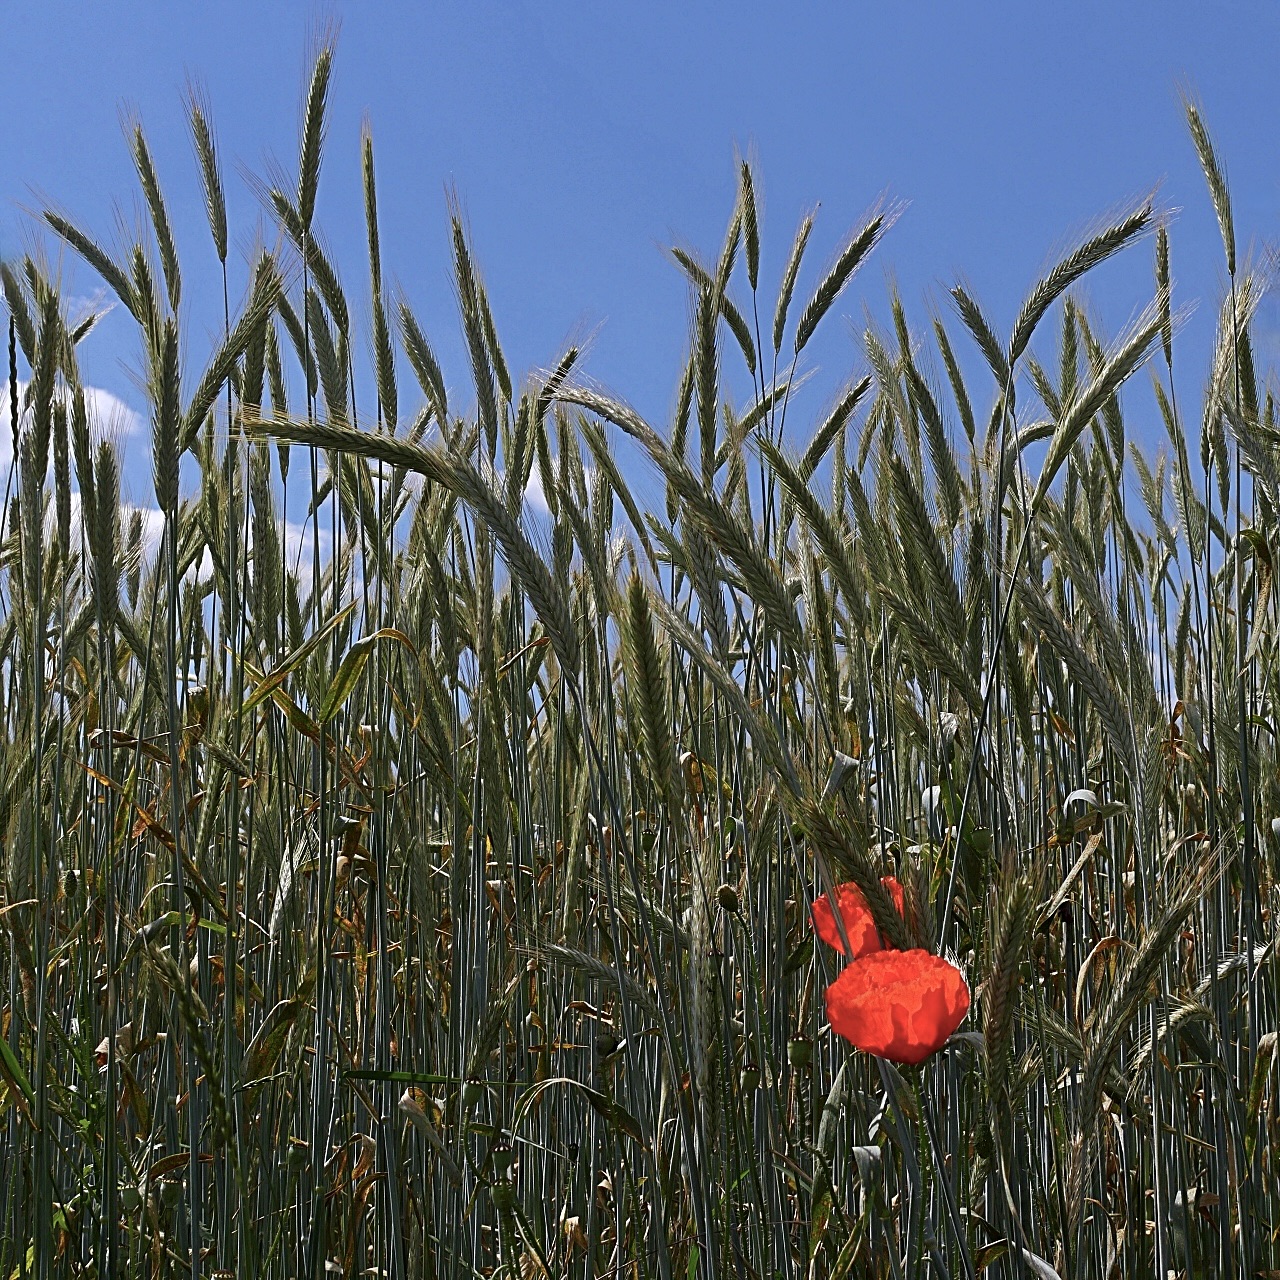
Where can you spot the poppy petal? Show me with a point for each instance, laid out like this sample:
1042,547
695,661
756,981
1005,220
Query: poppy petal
859,923
900,1005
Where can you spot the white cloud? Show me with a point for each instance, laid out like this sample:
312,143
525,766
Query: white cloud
79,306
152,528
108,415
298,546
535,497
152,534
152,523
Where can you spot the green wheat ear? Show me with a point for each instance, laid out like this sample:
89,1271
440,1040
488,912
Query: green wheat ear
648,689
313,125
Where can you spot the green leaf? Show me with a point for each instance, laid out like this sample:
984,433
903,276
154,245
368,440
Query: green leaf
350,669
344,680
400,1077
262,1051
800,955
601,1103
267,684
14,1072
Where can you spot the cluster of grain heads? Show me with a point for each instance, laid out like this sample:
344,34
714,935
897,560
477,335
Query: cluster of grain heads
439,896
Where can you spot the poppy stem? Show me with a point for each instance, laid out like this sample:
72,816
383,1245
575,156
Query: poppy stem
943,1170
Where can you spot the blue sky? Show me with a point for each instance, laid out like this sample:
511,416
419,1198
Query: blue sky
583,137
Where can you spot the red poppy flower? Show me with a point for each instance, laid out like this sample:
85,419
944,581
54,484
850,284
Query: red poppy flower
859,924
900,1005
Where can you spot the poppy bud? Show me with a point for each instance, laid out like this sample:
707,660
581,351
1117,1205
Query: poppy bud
502,1155
198,701
472,1091
799,1051
750,1077
727,897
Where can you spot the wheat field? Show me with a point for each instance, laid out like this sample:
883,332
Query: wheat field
431,897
